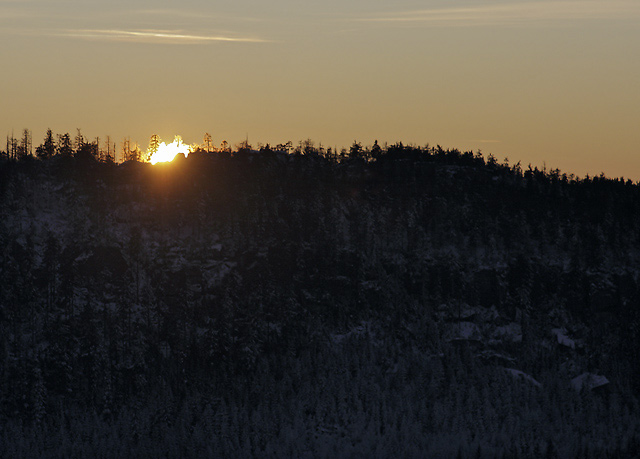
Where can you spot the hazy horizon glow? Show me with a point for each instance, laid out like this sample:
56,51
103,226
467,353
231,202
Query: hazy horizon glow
535,81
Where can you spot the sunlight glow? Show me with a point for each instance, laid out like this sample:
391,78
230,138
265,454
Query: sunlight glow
166,153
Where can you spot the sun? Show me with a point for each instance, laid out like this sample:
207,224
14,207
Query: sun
167,152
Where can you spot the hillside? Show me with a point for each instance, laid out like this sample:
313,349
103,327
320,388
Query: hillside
418,302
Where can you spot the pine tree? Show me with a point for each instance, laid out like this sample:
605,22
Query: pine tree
64,147
126,149
154,144
208,143
79,141
109,154
26,144
48,148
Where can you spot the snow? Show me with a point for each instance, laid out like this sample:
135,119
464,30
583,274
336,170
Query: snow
491,355
563,339
468,312
588,381
510,332
522,375
468,330
464,331
359,330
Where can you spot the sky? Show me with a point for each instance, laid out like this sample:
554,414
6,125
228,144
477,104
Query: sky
554,84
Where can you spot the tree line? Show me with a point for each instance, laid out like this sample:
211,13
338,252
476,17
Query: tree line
64,146
291,301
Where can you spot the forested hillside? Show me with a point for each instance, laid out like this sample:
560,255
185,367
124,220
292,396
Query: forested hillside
396,301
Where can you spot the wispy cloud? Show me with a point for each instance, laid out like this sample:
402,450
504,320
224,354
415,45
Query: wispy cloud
516,13
154,36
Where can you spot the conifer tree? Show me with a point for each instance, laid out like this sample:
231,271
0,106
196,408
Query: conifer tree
48,148
154,144
208,143
79,141
64,147
26,144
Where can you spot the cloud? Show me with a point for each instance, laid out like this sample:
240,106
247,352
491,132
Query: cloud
517,13
154,36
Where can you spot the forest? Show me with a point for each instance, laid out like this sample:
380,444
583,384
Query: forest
297,301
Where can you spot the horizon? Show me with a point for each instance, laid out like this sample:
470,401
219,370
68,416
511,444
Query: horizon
166,153
545,83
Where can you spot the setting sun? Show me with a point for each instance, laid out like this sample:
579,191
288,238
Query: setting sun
167,152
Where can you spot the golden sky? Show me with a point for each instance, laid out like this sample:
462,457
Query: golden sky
541,82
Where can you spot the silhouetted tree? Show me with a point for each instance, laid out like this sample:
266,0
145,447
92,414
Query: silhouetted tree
26,144
308,147
130,153
79,141
207,143
88,150
109,152
356,150
97,151
285,147
47,149
376,151
64,147
154,144
12,147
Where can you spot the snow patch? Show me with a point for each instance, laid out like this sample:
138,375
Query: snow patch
216,271
464,331
588,381
522,375
359,330
510,332
494,356
563,339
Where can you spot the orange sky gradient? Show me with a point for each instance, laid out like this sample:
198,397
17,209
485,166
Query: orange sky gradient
541,82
